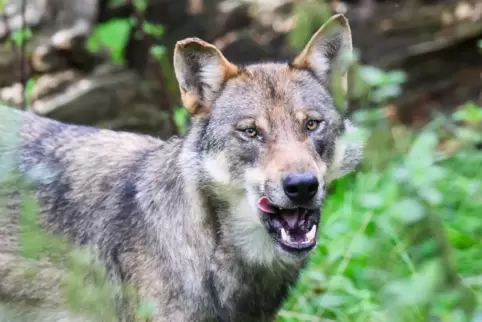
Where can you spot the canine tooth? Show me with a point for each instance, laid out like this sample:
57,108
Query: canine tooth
311,234
284,235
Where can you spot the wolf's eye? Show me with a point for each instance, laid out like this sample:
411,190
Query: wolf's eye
312,125
251,132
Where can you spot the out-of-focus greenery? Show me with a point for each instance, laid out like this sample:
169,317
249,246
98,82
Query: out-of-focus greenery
393,235
111,36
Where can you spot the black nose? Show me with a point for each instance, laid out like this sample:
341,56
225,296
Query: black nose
300,187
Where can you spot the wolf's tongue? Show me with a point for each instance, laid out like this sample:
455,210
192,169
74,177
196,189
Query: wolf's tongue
266,206
291,217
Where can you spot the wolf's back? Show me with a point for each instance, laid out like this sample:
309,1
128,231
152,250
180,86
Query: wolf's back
77,172
84,181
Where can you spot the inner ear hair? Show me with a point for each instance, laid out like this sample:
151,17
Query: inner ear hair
320,53
201,70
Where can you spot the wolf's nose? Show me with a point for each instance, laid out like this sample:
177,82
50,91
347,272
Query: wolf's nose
300,187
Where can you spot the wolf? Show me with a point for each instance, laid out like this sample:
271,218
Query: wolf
215,225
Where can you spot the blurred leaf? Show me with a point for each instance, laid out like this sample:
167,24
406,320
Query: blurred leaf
111,35
316,276
371,200
29,88
372,75
181,118
21,35
469,135
158,51
418,288
431,195
309,16
469,112
396,77
421,154
155,30
355,136
369,115
409,210
381,94
140,5
341,283
331,300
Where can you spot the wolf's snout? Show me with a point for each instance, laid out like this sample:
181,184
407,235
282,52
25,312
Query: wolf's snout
300,187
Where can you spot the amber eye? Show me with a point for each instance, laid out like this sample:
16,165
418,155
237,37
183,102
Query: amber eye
251,132
312,125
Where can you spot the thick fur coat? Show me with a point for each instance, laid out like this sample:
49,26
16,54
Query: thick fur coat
216,226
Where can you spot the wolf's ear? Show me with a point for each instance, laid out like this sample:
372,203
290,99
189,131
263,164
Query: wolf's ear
347,155
201,69
325,45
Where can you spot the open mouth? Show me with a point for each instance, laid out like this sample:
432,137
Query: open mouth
294,229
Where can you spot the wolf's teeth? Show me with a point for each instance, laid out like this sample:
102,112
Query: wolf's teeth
311,234
284,235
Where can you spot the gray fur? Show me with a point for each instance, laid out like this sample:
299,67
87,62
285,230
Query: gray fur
177,218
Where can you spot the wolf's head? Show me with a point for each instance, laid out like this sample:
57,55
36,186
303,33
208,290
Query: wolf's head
270,141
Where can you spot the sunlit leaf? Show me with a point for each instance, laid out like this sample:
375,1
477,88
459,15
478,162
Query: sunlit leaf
409,210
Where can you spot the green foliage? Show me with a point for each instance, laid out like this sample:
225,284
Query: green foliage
141,5
469,113
112,36
158,52
181,117
310,16
155,30
382,85
29,88
19,37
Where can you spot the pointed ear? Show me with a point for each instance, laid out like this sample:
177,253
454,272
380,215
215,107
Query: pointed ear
201,69
319,55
